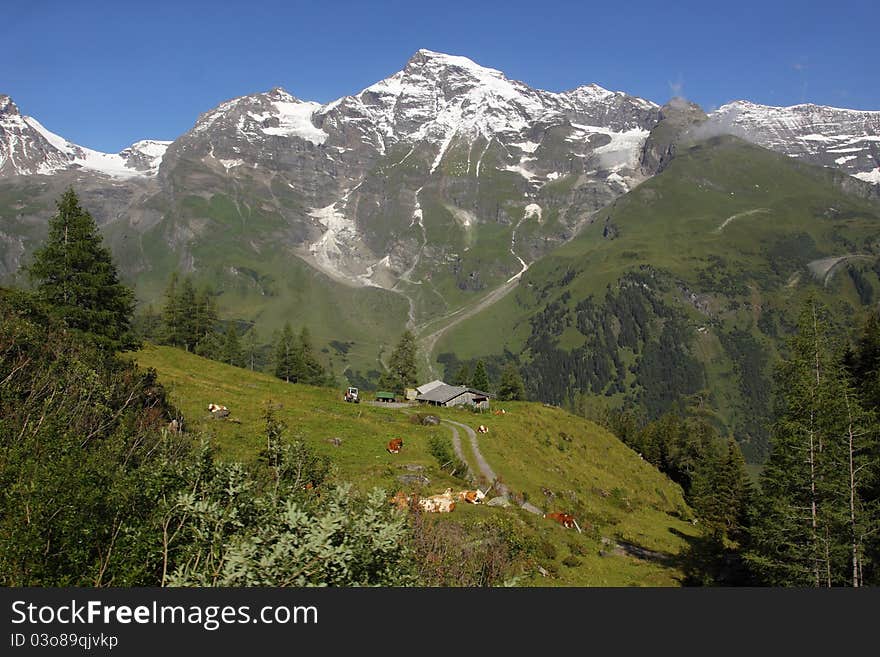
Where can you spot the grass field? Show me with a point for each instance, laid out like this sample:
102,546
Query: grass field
536,450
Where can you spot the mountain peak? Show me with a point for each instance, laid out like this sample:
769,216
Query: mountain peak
7,106
424,57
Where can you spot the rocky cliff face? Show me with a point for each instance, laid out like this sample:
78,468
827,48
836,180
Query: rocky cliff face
827,136
677,118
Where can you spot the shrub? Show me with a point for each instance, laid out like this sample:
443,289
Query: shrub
547,550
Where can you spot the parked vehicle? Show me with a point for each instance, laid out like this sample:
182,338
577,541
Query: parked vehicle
351,395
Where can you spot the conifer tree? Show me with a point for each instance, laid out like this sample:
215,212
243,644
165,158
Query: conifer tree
311,372
187,316
511,387
172,314
480,379
232,346
402,370
250,349
811,518
204,314
75,276
286,366
463,376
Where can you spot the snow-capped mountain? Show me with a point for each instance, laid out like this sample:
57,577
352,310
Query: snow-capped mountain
829,136
441,122
409,182
28,148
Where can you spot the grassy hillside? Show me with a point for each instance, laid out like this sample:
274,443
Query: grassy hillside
559,462
688,285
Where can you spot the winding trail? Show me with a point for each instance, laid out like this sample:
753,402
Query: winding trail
428,342
485,469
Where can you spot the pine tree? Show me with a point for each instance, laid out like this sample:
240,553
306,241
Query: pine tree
74,274
480,379
402,372
203,315
187,314
285,355
251,349
232,346
147,324
511,387
811,502
311,371
463,377
172,314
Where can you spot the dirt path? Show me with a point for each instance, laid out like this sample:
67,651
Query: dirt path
747,213
428,342
824,268
456,446
485,469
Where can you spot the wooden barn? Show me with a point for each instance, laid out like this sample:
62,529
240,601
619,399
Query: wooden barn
447,395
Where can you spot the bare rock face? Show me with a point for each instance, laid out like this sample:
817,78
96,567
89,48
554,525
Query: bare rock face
677,118
845,139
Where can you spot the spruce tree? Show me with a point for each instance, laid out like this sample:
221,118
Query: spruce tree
75,276
232,346
250,349
402,372
172,314
311,371
463,376
203,315
810,518
285,355
511,387
188,313
480,379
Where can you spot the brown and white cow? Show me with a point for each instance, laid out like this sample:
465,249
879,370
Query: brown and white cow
443,503
394,445
401,500
471,496
565,519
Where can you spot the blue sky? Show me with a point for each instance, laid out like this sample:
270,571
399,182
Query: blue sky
105,74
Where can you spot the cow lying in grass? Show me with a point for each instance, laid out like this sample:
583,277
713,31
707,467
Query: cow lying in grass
471,496
394,446
443,503
565,519
482,429
218,411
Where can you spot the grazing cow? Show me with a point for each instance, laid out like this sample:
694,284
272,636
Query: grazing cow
218,411
442,503
482,429
401,500
394,446
472,496
565,519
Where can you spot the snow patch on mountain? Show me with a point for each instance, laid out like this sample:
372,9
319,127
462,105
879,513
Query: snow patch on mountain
813,133
872,176
148,153
295,120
